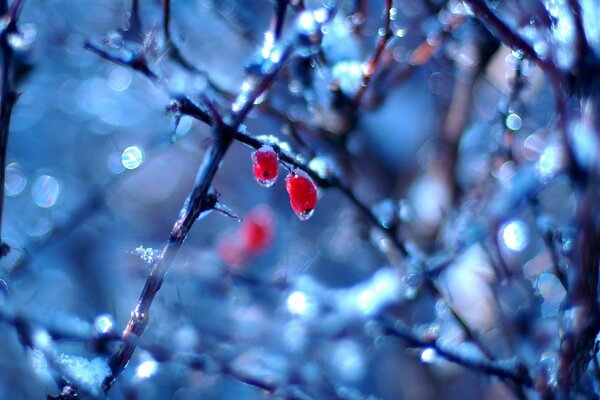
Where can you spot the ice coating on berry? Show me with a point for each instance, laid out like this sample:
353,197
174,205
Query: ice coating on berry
265,166
303,193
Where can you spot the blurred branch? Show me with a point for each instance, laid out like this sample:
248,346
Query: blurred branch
173,49
580,38
8,95
507,35
508,370
581,315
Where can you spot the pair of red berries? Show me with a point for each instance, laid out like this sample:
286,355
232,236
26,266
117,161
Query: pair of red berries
300,187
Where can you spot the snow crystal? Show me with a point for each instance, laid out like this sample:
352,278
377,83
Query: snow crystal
147,254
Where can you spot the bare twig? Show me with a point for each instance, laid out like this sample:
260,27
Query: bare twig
372,64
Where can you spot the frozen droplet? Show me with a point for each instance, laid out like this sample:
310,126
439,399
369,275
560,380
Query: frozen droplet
146,369
45,191
183,126
103,323
305,215
515,235
15,180
386,212
514,122
132,157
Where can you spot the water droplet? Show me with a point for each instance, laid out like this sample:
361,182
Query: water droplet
15,180
132,157
103,323
515,235
45,191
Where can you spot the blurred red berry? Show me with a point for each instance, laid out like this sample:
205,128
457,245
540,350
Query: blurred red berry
265,166
303,193
257,229
252,237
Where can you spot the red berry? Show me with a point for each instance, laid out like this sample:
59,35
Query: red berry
265,165
303,193
257,230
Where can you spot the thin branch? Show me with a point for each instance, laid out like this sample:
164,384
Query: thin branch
507,35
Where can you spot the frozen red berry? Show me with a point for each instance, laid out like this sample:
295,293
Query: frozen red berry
303,193
265,166
257,229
